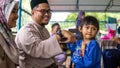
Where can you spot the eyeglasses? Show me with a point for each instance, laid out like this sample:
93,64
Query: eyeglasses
44,11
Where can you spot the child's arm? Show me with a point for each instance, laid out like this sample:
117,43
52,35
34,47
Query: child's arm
71,47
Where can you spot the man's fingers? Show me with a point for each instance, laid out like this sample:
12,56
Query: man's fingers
70,39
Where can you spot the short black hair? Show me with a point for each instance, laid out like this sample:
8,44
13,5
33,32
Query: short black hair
90,20
53,25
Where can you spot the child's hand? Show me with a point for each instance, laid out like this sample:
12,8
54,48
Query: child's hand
83,49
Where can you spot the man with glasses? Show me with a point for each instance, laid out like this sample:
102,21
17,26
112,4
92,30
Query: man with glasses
35,45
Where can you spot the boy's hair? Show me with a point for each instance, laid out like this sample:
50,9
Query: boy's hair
55,24
90,20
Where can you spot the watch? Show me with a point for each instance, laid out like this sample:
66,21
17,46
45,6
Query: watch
59,32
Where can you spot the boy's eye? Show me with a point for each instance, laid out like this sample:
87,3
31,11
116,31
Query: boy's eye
87,27
94,28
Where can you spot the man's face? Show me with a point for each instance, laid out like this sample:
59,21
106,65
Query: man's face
42,14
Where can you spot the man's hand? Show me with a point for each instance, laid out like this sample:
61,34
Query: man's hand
69,36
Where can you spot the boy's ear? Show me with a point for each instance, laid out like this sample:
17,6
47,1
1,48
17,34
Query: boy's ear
98,31
80,29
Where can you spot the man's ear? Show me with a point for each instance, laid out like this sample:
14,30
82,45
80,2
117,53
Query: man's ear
32,11
80,29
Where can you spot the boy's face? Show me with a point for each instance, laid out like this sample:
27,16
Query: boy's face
88,31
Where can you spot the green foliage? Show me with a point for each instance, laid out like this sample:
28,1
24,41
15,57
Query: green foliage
98,15
71,17
101,16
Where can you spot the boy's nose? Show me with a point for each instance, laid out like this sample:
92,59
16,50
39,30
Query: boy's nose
90,30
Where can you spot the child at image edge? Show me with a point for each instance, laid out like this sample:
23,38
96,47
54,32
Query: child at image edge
86,51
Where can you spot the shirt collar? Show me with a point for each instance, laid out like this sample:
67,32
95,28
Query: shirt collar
35,23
